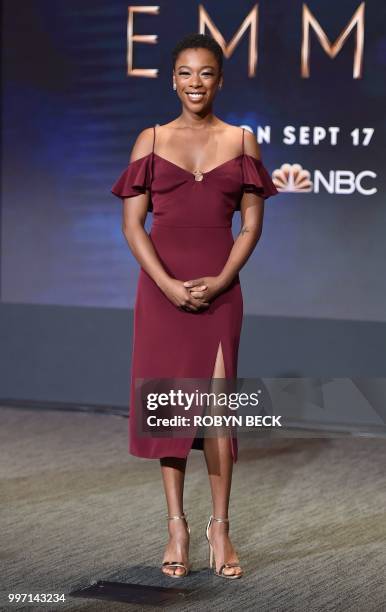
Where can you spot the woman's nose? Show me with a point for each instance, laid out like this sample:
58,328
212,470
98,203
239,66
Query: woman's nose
196,82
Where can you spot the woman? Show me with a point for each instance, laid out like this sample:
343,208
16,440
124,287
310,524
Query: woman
193,174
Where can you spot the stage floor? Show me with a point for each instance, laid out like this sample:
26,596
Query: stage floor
307,518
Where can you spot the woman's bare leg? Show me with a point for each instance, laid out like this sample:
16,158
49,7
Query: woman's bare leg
173,475
219,461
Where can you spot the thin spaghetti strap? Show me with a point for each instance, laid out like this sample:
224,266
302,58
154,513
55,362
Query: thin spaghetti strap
152,161
242,165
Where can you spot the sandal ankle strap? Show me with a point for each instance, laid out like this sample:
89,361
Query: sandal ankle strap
174,517
220,520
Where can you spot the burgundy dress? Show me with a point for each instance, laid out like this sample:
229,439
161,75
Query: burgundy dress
191,233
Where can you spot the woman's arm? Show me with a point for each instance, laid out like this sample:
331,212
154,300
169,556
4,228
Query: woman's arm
134,216
133,221
252,214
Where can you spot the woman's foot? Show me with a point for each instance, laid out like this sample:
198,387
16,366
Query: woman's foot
177,549
223,548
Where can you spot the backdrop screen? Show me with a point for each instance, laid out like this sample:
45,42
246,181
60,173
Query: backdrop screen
308,82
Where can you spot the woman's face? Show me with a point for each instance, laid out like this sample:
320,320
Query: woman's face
196,70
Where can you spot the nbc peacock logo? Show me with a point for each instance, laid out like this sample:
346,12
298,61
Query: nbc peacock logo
292,178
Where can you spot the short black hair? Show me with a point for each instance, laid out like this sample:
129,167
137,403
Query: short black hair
195,41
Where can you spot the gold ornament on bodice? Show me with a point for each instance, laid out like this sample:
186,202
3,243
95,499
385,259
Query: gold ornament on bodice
198,175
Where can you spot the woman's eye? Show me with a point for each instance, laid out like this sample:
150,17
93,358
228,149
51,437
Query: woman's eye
204,73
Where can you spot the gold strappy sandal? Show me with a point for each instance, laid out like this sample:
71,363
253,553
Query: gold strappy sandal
173,564
211,554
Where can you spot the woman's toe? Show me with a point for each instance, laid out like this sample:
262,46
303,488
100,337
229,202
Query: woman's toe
232,571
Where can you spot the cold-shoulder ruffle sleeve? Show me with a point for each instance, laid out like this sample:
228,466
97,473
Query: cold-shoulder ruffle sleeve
256,178
134,180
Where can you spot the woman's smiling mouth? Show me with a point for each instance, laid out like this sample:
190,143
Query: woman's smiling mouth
195,96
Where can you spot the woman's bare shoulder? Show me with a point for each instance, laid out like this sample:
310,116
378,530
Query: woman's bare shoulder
251,146
143,144
235,135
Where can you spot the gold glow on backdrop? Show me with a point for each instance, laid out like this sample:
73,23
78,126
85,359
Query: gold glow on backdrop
249,27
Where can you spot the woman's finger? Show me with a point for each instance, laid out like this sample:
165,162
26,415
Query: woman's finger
199,288
189,307
193,283
197,294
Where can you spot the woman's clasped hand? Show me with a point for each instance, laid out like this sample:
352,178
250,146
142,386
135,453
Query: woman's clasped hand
193,295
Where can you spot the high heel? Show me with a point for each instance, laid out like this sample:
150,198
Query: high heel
212,558
174,564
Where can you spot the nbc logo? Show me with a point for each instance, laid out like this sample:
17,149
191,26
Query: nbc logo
294,178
